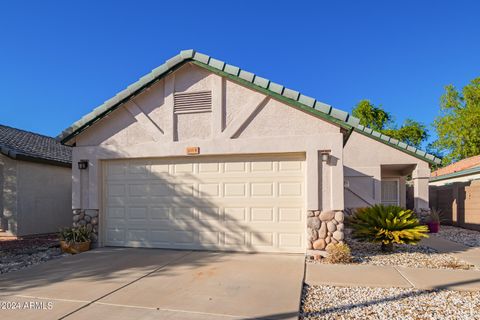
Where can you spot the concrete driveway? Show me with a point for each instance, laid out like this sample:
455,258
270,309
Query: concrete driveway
128,283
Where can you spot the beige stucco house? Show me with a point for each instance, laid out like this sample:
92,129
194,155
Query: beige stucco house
35,183
200,154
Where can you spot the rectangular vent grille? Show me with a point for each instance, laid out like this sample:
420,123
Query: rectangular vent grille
192,102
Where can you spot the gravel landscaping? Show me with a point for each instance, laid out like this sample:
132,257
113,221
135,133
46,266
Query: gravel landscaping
469,238
329,302
414,256
19,254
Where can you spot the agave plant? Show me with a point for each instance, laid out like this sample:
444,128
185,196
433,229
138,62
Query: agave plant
387,225
75,234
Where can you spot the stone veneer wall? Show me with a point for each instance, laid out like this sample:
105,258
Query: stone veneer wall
324,228
89,218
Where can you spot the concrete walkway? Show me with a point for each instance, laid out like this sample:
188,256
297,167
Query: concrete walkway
461,252
421,278
382,276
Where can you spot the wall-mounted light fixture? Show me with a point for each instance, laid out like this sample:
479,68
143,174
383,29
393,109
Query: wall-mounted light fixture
325,155
83,164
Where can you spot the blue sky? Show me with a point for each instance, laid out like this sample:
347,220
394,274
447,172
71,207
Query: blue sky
60,59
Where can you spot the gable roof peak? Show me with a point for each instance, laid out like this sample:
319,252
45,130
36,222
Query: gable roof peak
329,113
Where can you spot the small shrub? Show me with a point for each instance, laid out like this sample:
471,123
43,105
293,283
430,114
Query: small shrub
75,234
339,253
387,225
456,264
435,215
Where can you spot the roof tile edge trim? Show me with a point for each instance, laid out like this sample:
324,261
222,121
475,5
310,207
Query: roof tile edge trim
335,115
455,174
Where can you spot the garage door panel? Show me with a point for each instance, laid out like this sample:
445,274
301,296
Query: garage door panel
115,212
254,204
209,213
209,168
261,215
159,236
117,190
235,214
235,239
235,189
182,213
208,190
289,214
183,237
262,239
162,189
159,213
262,189
289,240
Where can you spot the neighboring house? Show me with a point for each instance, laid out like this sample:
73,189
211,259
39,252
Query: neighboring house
35,183
455,189
200,154
462,171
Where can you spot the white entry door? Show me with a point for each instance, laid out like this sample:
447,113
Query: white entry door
241,203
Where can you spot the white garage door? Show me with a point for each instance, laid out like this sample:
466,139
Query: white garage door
253,203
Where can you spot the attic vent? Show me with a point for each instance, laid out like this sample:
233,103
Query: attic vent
193,102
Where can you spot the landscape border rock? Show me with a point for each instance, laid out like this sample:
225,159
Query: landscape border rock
323,228
89,218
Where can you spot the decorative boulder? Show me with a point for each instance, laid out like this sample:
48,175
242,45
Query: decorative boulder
322,233
327,215
312,234
319,244
92,213
331,226
309,245
339,216
338,235
313,223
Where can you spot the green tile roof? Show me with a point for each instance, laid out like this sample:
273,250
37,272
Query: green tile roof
460,173
277,91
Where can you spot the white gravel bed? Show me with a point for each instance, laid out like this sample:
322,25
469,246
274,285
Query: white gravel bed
414,256
12,260
469,238
329,302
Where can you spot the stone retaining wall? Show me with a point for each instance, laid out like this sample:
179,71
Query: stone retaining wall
324,228
89,218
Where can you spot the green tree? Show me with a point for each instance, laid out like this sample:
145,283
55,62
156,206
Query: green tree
372,116
458,126
411,132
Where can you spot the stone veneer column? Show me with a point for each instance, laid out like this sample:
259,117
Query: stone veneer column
324,228
89,218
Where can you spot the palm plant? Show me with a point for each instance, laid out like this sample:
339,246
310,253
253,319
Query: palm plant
387,225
